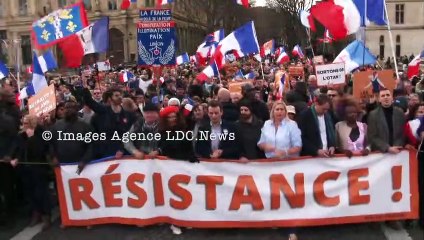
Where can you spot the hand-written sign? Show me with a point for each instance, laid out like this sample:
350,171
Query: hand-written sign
43,102
153,15
296,71
330,74
235,87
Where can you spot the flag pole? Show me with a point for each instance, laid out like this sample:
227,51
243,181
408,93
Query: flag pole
262,69
365,32
391,39
308,32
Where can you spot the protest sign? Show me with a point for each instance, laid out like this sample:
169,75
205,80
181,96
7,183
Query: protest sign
156,38
235,86
43,102
330,74
228,194
365,82
103,66
296,71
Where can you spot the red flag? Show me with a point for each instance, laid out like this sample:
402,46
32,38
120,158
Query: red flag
72,56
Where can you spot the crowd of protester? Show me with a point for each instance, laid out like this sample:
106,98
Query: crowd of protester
307,121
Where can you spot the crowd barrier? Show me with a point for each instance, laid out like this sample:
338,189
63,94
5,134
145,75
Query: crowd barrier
228,194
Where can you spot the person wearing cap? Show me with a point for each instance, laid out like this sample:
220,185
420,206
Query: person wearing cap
249,129
260,109
291,112
147,127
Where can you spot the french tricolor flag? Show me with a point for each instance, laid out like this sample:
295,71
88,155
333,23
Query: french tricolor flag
208,72
297,51
414,65
268,48
4,71
243,40
250,75
245,3
208,47
47,61
163,2
126,76
125,4
183,59
283,57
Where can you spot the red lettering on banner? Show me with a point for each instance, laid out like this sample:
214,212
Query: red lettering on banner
355,198
158,189
253,197
84,195
109,190
210,183
179,191
279,183
136,190
319,193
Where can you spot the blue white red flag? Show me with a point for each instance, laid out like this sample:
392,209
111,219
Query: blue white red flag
92,39
4,71
208,47
59,25
268,48
297,51
163,2
414,65
38,81
354,56
183,59
126,76
245,3
47,61
283,57
371,11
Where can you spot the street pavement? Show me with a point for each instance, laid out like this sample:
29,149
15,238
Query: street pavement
370,231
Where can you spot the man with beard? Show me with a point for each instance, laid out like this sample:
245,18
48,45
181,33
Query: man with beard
259,108
249,132
65,147
9,127
111,120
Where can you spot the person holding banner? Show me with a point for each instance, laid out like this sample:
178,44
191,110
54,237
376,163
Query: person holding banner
30,147
351,135
386,131
280,136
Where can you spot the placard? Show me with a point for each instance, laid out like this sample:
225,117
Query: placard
235,86
330,74
43,102
363,82
155,15
318,59
296,71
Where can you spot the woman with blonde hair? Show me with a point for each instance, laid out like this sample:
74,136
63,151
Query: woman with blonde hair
281,138
30,147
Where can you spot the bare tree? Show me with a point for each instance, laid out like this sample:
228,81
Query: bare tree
293,30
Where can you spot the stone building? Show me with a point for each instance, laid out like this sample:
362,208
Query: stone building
407,23
16,17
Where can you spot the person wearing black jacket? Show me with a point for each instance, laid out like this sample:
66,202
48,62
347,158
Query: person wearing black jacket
217,138
230,110
65,146
259,108
111,120
9,127
30,147
249,130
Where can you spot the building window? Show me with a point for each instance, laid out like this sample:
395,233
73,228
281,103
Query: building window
1,9
23,7
400,12
87,4
398,46
112,5
3,48
26,49
149,3
381,47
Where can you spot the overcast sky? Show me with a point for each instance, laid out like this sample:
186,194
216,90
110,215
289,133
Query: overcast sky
260,2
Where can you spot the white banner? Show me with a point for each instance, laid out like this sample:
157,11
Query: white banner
223,194
330,74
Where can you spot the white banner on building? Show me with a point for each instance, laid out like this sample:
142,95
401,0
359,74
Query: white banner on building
330,74
224,194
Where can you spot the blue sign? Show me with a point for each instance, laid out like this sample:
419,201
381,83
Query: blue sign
155,15
156,45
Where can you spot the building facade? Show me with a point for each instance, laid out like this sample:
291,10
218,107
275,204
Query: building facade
407,25
16,17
